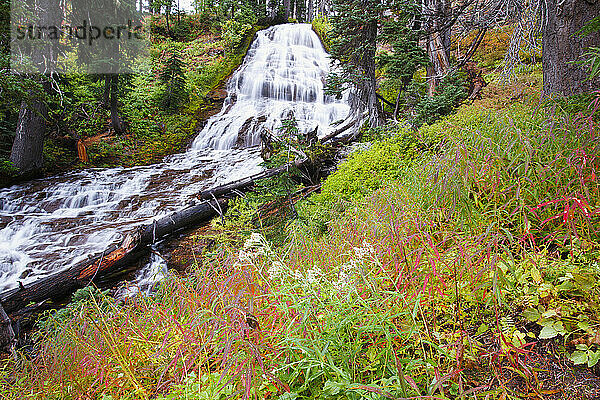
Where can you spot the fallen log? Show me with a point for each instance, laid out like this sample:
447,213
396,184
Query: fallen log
116,258
63,283
24,301
343,129
247,183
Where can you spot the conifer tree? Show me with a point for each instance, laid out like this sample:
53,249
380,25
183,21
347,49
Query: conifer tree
355,27
173,78
406,56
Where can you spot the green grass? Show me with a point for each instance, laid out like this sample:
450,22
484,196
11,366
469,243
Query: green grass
438,256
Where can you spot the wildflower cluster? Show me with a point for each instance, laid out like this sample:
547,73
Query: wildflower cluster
337,280
255,246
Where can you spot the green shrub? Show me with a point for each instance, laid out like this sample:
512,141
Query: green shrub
322,28
234,32
448,96
364,172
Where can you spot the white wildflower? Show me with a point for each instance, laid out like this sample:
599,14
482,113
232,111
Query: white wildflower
246,256
343,281
360,252
368,247
349,266
276,269
365,249
254,240
312,275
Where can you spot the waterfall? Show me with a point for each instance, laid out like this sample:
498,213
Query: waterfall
53,223
282,76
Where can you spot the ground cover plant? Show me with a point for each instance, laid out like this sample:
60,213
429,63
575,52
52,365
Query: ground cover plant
466,268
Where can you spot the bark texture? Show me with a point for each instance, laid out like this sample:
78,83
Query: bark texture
26,153
438,41
115,118
561,46
365,99
27,149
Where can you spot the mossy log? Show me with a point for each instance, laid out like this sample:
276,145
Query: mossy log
61,284
118,258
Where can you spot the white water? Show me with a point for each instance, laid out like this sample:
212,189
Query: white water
282,75
50,224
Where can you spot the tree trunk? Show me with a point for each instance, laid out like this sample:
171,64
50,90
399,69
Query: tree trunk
27,149
561,46
106,93
26,153
167,14
367,90
115,119
437,14
286,8
310,11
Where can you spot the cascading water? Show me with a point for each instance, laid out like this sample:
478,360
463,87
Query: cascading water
50,224
282,76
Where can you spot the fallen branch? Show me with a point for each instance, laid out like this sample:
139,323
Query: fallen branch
115,259
7,334
339,130
386,101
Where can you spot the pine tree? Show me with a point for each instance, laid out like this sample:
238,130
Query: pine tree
407,56
173,78
355,25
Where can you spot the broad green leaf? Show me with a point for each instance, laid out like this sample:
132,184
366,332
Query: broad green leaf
559,327
483,328
518,338
548,332
579,357
549,314
593,358
531,314
583,325
536,275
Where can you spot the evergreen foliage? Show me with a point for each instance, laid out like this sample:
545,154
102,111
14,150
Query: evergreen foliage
173,79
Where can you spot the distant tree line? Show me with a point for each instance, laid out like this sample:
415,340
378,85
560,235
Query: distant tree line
417,34
422,33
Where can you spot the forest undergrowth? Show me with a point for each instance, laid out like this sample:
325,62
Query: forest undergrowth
456,262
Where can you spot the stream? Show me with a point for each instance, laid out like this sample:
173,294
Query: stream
50,224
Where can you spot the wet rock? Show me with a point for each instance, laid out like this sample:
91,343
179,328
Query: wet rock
217,94
25,273
243,133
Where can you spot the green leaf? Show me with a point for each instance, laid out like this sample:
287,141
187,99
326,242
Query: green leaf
559,327
333,387
584,325
550,314
593,358
483,328
288,396
548,332
536,275
579,357
531,314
